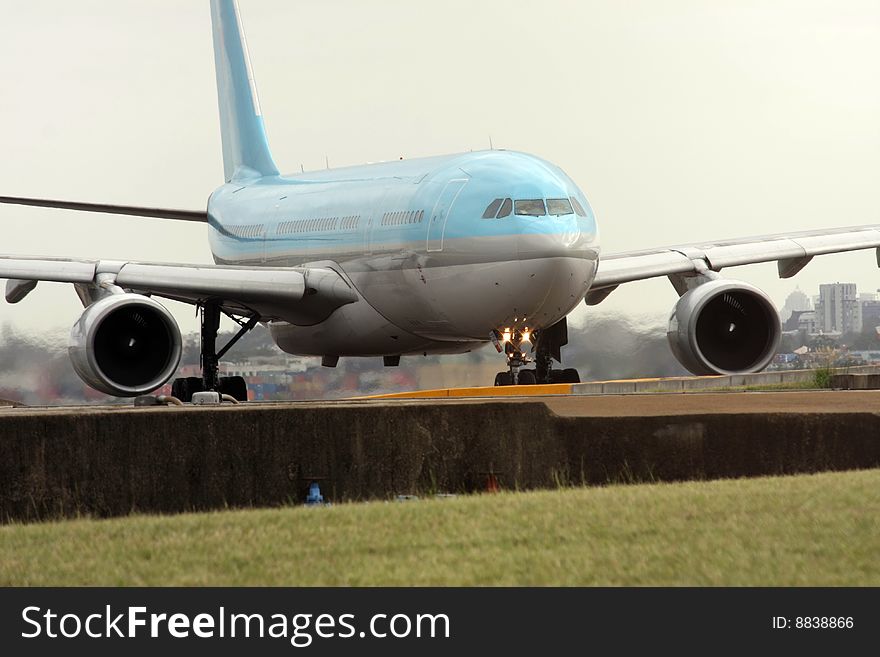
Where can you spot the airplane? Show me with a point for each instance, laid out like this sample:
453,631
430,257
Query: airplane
436,255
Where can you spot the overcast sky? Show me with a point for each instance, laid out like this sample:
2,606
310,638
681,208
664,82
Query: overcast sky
681,120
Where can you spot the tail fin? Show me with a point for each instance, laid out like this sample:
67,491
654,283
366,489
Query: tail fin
245,147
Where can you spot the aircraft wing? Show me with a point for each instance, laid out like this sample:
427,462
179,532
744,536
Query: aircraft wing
133,210
791,251
302,295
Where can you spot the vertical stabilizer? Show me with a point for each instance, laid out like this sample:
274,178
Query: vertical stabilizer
245,147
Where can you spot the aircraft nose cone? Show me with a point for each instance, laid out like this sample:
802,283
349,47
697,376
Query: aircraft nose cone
554,237
552,284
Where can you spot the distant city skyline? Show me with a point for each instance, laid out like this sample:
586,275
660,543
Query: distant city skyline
838,308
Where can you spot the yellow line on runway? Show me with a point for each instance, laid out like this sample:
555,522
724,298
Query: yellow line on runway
485,391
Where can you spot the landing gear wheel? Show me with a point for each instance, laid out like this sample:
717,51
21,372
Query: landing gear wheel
235,386
503,379
527,378
570,375
184,388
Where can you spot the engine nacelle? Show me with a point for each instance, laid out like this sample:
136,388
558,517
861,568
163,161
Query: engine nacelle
125,345
724,327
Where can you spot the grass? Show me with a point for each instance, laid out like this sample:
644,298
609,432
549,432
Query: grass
822,377
763,387
766,387
821,380
804,530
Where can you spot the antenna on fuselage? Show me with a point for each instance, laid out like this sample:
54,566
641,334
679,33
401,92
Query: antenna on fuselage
327,161
491,147
302,168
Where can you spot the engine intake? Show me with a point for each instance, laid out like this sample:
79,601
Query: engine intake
724,327
125,345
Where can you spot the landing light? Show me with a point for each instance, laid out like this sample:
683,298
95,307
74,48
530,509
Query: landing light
505,337
527,335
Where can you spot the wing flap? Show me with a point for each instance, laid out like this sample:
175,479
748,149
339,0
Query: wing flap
47,269
283,286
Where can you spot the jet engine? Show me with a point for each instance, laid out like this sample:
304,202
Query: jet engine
125,345
724,327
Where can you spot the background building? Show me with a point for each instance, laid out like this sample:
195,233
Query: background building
802,321
870,311
796,301
839,309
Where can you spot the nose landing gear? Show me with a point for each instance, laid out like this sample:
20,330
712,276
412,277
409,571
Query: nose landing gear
511,343
546,345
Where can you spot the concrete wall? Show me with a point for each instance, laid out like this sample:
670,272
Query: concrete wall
113,462
688,383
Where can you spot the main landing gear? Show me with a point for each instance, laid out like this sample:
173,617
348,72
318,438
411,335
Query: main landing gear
546,345
235,386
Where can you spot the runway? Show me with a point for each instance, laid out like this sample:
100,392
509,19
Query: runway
565,405
113,460
666,404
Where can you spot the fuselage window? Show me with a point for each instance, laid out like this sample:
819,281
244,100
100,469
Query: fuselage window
254,230
558,206
506,207
530,208
421,215
492,210
578,207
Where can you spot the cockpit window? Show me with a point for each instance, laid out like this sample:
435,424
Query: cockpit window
578,207
530,207
558,206
506,207
492,210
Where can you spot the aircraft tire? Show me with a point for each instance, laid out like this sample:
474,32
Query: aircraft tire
527,378
234,386
184,388
570,375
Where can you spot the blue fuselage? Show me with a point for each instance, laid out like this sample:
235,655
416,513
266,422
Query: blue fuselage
441,250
